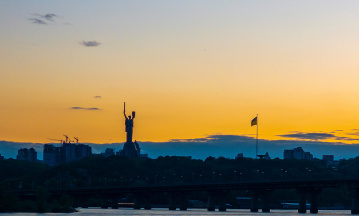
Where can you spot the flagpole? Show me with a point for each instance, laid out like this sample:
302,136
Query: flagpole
257,140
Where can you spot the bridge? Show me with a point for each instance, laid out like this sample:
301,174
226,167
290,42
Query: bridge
217,193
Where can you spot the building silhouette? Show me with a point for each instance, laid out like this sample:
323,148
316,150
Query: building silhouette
27,154
266,156
67,152
240,155
297,153
108,152
328,158
52,155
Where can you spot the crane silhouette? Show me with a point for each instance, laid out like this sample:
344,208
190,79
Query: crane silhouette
67,138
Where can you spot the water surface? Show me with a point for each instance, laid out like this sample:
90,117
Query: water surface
194,212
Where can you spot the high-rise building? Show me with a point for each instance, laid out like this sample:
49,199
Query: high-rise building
297,153
67,152
82,151
53,155
27,154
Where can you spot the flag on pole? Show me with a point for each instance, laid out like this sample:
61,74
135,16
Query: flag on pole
254,121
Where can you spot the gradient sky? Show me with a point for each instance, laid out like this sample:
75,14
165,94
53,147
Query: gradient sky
189,69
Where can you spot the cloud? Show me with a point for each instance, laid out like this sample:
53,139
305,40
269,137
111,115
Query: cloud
319,136
215,139
85,108
97,97
197,140
346,138
309,136
354,133
90,43
38,21
49,17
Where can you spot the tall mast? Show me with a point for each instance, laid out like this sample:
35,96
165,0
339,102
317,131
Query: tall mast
257,140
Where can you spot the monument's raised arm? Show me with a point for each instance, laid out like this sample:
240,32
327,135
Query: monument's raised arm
124,109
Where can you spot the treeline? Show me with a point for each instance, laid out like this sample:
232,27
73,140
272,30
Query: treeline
114,170
97,171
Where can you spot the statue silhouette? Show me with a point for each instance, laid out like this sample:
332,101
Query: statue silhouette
129,125
130,149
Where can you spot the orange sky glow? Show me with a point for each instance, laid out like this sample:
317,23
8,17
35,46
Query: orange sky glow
188,69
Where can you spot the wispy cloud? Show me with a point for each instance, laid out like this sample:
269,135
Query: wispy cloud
355,132
309,136
197,140
319,136
43,18
49,17
97,97
345,138
38,21
85,108
215,138
90,43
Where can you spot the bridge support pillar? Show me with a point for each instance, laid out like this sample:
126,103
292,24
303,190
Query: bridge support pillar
83,203
114,203
104,203
183,201
211,201
314,200
355,202
136,202
302,201
147,198
265,201
172,201
222,200
254,201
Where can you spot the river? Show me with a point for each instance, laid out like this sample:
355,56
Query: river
198,212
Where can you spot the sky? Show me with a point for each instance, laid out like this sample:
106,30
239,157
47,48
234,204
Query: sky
190,70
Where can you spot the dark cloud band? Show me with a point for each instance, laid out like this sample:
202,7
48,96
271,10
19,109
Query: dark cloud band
49,17
90,43
85,108
38,21
41,18
309,136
